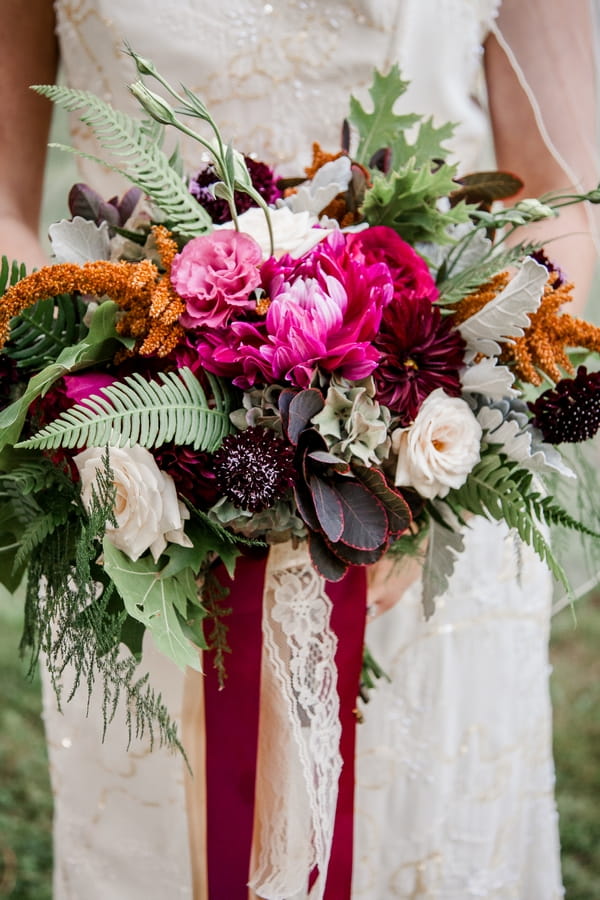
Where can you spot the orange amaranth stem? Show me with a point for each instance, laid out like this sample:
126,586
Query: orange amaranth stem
151,306
472,303
542,347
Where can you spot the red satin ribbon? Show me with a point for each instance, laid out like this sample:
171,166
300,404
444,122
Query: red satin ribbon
232,731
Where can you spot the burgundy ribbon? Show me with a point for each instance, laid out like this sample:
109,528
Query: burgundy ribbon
232,716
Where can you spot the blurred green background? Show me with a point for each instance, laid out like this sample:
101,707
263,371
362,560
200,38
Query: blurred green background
25,797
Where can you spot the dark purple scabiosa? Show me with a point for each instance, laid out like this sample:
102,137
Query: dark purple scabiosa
263,180
569,412
192,473
420,351
545,261
254,468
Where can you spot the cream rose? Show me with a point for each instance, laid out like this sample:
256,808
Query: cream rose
293,233
440,448
147,510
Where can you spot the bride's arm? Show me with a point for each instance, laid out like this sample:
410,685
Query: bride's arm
541,60
28,55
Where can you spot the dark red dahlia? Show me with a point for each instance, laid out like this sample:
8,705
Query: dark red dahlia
420,351
192,473
254,468
569,412
263,179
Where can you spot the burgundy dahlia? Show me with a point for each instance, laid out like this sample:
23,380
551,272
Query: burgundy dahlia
254,468
192,473
420,351
569,412
262,177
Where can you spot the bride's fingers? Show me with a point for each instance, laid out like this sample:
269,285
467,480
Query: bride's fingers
387,580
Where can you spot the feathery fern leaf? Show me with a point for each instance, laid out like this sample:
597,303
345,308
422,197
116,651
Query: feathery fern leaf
144,163
500,489
148,413
41,332
10,273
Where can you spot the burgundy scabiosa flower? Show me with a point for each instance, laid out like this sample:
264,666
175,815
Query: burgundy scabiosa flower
262,177
420,351
569,412
254,468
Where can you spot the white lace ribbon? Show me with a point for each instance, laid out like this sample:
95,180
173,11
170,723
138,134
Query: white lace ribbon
299,760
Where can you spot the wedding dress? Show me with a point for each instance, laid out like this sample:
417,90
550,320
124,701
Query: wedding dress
454,770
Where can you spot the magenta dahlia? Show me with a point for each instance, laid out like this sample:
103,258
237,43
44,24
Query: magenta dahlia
569,412
325,311
420,351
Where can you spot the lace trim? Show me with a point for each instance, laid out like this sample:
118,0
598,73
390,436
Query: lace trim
299,758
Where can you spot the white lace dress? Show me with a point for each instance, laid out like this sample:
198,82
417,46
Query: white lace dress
455,775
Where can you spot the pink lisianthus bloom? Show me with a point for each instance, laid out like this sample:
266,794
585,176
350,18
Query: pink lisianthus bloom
324,313
215,274
79,387
409,271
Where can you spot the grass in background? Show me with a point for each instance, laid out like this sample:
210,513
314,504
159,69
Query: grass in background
25,800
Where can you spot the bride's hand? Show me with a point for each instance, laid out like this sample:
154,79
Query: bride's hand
387,580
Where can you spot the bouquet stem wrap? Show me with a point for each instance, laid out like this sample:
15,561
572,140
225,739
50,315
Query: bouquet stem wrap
278,753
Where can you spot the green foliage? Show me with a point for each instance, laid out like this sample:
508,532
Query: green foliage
407,201
382,127
99,345
73,615
40,333
10,273
144,163
157,600
500,489
148,413
454,287
36,497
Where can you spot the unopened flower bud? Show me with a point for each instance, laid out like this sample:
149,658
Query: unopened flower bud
154,105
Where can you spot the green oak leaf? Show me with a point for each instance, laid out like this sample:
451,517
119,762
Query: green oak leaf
159,603
382,127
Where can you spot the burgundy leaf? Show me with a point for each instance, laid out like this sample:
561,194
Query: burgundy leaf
128,203
354,557
303,407
305,505
398,510
325,562
365,518
328,508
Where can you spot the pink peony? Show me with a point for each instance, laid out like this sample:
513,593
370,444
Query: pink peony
79,387
215,275
409,271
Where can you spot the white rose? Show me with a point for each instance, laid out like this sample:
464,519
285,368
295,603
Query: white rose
440,448
293,233
147,510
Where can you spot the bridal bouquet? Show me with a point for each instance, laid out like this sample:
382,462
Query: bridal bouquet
216,362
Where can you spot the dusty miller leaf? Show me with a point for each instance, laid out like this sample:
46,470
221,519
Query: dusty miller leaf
443,549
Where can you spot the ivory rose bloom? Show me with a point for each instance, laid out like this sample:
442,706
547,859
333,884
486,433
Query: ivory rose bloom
147,510
440,448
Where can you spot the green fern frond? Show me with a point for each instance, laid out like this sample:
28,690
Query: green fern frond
454,288
142,160
10,273
148,413
500,489
41,332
